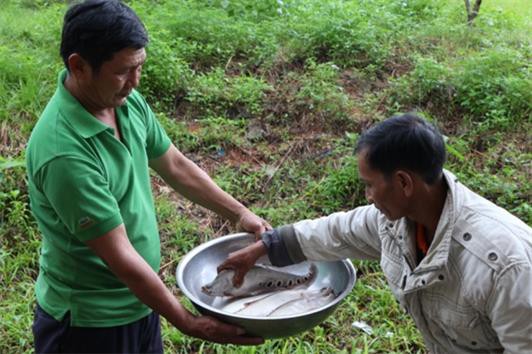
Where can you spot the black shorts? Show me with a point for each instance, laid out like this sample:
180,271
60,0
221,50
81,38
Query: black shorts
52,336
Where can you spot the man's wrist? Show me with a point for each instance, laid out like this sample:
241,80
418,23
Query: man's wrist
259,249
238,214
185,320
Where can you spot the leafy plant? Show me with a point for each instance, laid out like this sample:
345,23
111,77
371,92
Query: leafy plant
165,74
214,93
494,88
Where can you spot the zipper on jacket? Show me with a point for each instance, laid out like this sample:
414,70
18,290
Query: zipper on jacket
408,262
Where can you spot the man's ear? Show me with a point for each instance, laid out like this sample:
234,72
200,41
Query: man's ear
405,181
78,67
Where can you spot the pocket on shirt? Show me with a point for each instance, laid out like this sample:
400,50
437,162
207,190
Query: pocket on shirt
462,324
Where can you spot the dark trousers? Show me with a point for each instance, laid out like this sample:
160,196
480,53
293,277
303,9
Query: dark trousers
52,336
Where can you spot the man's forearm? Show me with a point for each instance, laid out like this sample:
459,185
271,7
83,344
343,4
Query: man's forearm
192,182
198,187
150,289
128,266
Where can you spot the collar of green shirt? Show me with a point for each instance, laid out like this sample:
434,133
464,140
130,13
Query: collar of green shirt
79,118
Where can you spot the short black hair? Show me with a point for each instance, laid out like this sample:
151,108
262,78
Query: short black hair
404,142
97,29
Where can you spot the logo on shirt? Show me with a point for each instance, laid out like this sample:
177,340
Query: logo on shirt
85,222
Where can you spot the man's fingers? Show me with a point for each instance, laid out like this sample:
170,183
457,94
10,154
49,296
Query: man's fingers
220,332
238,278
227,264
267,225
221,267
236,335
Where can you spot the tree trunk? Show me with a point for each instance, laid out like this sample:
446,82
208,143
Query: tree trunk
472,12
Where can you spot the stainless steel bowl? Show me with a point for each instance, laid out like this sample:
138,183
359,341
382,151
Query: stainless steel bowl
198,267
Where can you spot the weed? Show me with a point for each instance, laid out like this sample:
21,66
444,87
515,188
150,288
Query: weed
214,93
165,74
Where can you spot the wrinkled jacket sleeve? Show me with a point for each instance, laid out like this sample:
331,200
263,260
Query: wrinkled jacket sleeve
510,308
352,234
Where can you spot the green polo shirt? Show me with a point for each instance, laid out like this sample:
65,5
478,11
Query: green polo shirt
83,182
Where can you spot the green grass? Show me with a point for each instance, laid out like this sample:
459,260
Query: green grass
269,97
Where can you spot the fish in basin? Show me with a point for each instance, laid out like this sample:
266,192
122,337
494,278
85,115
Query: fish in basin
281,302
260,279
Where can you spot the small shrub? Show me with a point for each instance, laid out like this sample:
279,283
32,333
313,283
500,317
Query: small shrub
338,32
216,37
16,220
418,9
179,133
214,93
220,132
178,232
321,92
428,85
240,182
315,96
339,189
252,9
165,74
494,88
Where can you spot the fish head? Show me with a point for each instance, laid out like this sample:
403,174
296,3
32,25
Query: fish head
221,285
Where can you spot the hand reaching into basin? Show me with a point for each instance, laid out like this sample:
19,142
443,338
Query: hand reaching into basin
242,260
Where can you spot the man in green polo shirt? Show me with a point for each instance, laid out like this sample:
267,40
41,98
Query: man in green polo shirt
89,186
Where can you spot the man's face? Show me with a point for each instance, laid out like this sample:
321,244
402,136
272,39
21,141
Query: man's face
384,192
110,86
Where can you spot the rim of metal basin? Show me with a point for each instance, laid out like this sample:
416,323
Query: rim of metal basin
184,288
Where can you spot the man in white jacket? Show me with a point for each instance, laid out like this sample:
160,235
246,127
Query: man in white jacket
458,264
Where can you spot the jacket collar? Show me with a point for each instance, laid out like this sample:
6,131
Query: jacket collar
439,249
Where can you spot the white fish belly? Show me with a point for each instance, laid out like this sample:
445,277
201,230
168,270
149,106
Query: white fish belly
309,301
280,303
239,304
265,306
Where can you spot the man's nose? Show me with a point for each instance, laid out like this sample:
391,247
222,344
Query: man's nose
134,78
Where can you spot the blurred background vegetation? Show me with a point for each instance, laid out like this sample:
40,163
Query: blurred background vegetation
269,97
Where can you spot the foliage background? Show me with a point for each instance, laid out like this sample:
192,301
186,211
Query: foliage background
269,97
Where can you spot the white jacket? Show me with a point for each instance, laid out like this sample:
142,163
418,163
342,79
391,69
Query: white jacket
472,293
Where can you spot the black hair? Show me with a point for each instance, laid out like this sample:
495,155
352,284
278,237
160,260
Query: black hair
97,29
404,142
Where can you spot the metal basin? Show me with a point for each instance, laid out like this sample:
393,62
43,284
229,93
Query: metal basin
198,267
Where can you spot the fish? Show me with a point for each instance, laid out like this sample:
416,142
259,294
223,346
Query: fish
281,302
238,305
309,301
260,279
